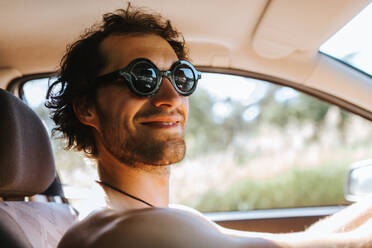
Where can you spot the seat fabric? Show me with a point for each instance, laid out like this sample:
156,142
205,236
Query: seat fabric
43,224
27,169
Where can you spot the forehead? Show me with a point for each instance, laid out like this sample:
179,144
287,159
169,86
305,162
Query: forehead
120,50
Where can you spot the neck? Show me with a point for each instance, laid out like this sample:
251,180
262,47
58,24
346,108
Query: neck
147,182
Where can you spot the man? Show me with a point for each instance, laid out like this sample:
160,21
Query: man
123,100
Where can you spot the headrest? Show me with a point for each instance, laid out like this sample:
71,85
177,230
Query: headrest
26,158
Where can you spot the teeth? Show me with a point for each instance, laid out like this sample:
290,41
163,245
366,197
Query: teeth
161,123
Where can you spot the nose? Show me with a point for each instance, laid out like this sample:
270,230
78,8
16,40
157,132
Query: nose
167,97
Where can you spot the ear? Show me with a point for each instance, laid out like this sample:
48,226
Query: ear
86,114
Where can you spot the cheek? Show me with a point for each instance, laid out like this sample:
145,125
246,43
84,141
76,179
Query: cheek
129,111
119,107
185,105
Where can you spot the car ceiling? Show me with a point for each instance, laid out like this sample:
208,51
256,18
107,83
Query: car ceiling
278,38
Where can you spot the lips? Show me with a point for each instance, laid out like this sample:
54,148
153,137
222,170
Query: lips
162,122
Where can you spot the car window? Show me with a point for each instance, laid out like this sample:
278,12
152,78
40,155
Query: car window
352,44
251,145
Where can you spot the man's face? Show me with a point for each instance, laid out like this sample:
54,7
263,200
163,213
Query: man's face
140,130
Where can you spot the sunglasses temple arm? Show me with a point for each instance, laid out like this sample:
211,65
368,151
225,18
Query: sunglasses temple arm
113,76
125,75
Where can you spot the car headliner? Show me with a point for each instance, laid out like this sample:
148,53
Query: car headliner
277,39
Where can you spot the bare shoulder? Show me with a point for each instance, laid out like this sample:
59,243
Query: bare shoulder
157,227
186,208
85,232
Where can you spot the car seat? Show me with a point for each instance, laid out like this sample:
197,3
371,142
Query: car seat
27,170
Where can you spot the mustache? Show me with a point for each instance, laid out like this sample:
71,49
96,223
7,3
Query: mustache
152,113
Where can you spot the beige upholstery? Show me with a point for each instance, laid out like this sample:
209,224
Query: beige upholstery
26,169
11,234
43,224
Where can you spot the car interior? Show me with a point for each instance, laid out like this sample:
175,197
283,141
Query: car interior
276,41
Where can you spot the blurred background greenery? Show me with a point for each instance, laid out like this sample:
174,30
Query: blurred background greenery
293,150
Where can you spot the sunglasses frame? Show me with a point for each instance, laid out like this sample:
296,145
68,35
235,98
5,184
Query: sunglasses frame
126,73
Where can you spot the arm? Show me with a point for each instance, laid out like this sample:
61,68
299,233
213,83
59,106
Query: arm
358,238
345,220
161,227
348,228
156,228
351,227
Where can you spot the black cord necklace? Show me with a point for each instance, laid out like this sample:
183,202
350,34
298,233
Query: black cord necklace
125,193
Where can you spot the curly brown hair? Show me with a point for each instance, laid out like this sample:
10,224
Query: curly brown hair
82,63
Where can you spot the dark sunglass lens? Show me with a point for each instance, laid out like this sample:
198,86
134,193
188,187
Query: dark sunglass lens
144,78
184,78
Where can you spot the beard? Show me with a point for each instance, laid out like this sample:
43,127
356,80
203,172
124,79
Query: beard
143,148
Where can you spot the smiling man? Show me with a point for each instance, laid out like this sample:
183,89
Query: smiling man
124,100
138,128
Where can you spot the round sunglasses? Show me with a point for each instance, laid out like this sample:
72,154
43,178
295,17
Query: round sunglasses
144,78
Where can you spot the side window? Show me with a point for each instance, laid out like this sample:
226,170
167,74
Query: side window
250,145
255,145
77,173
